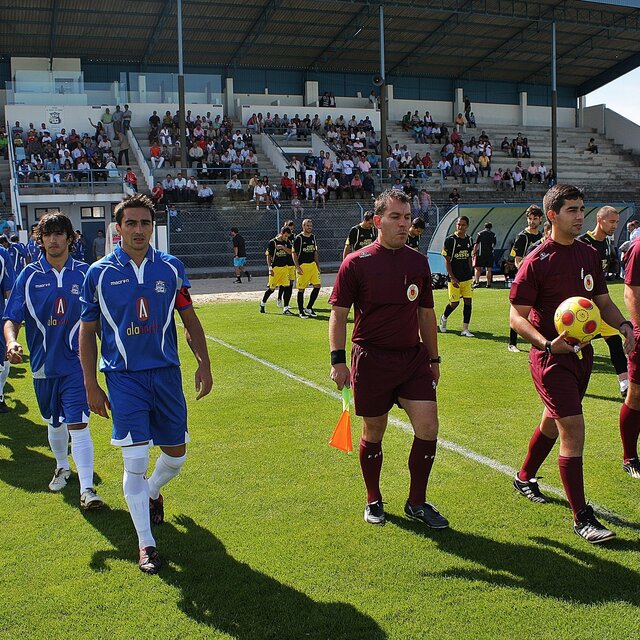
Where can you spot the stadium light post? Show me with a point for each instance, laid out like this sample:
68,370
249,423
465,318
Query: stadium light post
383,99
181,107
554,105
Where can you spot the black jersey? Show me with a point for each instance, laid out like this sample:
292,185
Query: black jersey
485,242
305,248
413,241
279,257
522,243
604,248
458,250
360,237
238,242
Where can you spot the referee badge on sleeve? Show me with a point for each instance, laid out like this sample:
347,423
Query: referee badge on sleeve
412,292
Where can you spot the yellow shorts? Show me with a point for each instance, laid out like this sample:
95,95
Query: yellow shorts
606,330
292,272
463,291
310,275
280,278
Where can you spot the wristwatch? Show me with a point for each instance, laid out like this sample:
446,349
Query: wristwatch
437,360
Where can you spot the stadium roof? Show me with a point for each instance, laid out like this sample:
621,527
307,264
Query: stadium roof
508,40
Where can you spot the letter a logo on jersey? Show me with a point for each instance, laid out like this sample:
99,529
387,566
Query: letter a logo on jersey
61,307
142,307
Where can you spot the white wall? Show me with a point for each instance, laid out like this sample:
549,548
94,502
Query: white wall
42,64
440,111
613,125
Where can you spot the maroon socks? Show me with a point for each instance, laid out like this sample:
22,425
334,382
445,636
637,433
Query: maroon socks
539,448
573,482
371,464
421,459
629,431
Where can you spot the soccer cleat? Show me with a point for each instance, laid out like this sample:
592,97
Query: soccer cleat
149,561
374,513
3,407
156,510
624,385
530,489
237,281
513,349
59,480
262,309
248,276
311,313
466,333
288,312
442,325
632,467
428,514
279,303
475,285
89,499
304,316
588,527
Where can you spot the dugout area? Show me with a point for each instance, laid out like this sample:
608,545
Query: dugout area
508,220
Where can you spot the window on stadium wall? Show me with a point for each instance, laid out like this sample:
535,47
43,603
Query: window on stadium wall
200,235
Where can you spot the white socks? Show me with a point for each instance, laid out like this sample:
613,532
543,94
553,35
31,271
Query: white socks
136,491
4,374
59,443
82,453
167,467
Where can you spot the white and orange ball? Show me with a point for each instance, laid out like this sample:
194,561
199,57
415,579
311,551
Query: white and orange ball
579,317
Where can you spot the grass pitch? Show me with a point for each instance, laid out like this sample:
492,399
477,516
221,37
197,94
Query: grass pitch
264,535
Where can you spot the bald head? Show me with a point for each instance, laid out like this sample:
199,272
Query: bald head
608,218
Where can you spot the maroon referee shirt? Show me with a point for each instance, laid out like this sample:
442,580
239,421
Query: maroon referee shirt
385,287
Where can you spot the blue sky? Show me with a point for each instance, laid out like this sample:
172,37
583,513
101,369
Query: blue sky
621,95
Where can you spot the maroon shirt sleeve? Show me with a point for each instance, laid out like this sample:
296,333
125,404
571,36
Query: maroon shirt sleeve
426,294
344,289
632,265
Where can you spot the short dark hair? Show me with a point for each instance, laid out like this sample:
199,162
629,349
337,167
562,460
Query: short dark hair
465,218
488,225
533,210
137,201
382,201
54,222
555,198
418,223
285,229
234,230
367,216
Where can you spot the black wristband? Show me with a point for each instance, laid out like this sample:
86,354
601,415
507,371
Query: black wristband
547,346
628,323
339,356
437,360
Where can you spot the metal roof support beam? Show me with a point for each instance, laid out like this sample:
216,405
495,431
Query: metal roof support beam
631,63
255,30
52,32
156,31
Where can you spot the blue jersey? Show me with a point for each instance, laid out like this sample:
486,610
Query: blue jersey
18,253
135,306
34,251
7,278
79,249
48,302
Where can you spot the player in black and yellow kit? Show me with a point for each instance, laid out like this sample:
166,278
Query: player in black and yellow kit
601,240
277,253
305,257
457,252
292,267
361,235
415,231
523,242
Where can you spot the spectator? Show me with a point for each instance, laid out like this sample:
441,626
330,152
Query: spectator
321,196
205,194
157,194
287,185
180,186
131,180
157,159
532,171
592,146
123,153
192,189
98,245
454,196
542,172
126,119
296,207
234,188
470,171
497,179
357,187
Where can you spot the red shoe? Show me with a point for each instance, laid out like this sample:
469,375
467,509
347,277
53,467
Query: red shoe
156,510
149,560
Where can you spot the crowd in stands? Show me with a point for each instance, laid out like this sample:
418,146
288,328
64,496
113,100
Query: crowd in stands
69,157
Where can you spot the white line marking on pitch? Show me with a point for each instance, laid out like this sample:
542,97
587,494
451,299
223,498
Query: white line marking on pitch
406,426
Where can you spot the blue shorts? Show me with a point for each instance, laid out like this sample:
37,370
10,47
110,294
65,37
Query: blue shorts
148,406
239,262
62,399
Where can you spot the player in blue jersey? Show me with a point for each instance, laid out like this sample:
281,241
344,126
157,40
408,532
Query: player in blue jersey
18,253
46,297
129,299
33,246
7,278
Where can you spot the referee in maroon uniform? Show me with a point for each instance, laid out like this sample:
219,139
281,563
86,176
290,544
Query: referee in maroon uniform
559,269
394,357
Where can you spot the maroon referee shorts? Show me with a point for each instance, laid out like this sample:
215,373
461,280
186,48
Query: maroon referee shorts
561,380
634,361
380,376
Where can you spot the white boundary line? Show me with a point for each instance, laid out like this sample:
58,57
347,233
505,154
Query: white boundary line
505,469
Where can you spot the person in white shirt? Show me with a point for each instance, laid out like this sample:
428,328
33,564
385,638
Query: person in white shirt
260,194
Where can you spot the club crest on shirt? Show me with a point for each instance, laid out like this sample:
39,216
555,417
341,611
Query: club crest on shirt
412,292
75,290
588,282
161,287
364,254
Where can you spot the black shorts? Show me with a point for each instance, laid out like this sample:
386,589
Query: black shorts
484,261
380,376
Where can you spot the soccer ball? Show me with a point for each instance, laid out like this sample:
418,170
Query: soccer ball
579,317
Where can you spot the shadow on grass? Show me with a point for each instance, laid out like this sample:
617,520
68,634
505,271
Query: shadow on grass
225,594
26,468
545,567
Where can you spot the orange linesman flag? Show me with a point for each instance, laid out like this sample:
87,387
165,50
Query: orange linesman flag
341,438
